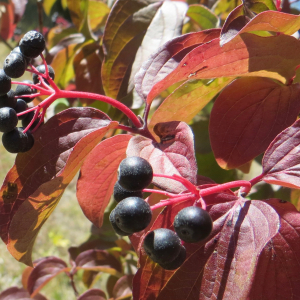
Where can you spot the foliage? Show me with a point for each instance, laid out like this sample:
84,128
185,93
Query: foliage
218,88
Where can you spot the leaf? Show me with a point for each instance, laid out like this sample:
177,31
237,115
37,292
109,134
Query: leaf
87,67
222,8
47,6
202,16
123,287
273,21
77,131
98,176
218,266
173,155
295,198
278,268
247,116
15,293
93,294
7,16
167,58
281,162
166,25
78,12
97,13
273,57
187,100
19,9
44,271
99,260
124,31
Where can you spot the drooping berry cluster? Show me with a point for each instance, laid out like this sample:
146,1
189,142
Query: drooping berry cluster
13,102
132,213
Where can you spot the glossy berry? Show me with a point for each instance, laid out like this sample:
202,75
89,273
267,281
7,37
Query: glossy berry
193,224
21,106
120,193
5,83
14,65
112,220
16,141
162,245
8,100
22,90
8,119
133,214
18,50
177,262
135,173
32,44
41,69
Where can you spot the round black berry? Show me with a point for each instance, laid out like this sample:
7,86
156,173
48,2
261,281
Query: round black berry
5,83
8,119
41,69
8,100
177,262
22,90
21,106
32,44
16,141
133,214
18,50
135,173
162,245
14,65
193,224
120,193
112,220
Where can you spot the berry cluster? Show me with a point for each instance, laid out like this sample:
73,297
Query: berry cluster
132,213
13,102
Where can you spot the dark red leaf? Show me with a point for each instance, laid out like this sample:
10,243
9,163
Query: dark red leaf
45,270
7,17
173,155
123,287
98,176
93,294
247,116
167,58
15,293
218,267
246,55
281,162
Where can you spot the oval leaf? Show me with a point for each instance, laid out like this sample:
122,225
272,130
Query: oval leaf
93,294
247,116
98,176
15,293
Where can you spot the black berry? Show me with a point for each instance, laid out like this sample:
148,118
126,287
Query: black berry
5,83
133,214
21,106
120,193
162,245
16,141
18,50
135,173
177,262
8,119
8,100
14,65
41,69
22,90
112,220
193,224
32,44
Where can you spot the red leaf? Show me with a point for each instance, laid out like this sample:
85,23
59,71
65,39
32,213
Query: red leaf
167,58
123,287
45,270
281,162
15,293
93,294
125,28
218,267
173,155
98,176
246,55
247,116
7,16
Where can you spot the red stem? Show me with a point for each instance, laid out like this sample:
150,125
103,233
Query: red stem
173,201
160,192
256,179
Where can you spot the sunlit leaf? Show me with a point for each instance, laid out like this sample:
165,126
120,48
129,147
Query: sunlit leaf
92,294
98,176
47,5
15,293
97,12
247,116
7,16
